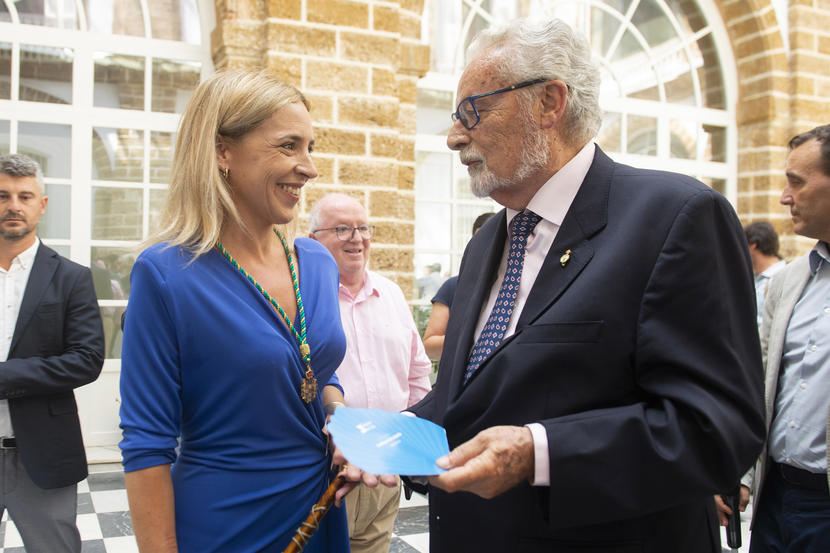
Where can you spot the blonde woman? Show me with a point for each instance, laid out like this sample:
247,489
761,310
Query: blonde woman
232,336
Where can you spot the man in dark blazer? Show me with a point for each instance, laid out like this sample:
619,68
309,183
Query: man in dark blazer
618,384
51,342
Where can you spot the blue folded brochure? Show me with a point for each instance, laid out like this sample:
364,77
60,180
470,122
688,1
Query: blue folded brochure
381,442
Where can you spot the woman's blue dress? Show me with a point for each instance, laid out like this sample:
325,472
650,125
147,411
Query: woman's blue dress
207,359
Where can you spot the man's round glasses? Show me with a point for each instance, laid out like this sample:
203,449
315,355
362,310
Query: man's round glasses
467,113
345,232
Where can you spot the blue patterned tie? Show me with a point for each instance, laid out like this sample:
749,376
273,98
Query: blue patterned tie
491,336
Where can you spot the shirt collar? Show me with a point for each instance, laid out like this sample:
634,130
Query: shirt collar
818,254
552,201
27,256
368,289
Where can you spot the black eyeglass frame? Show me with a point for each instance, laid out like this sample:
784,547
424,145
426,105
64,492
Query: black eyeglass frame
456,116
362,230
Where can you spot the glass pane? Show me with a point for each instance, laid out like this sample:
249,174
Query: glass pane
117,154
50,13
62,250
111,271
714,143
431,270
627,50
433,224
609,134
116,213
5,134
653,23
465,215
677,80
689,15
642,135
46,74
175,20
683,139
48,144
55,222
111,317
119,81
5,69
716,184
420,314
4,12
603,30
173,83
157,199
461,185
709,73
432,174
445,30
161,156
118,17
434,109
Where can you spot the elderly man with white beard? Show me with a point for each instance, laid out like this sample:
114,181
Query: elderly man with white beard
601,376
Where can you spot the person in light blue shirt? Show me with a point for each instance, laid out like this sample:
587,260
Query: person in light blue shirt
792,502
766,261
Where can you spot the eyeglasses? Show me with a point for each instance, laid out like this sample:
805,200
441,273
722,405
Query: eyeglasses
345,232
467,113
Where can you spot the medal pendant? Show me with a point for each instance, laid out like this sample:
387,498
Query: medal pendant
308,388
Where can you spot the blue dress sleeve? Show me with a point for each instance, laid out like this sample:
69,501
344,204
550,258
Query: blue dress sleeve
150,377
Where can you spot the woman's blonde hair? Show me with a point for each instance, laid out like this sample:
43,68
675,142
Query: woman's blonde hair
229,104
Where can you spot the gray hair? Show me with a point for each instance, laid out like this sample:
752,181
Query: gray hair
19,165
317,208
549,49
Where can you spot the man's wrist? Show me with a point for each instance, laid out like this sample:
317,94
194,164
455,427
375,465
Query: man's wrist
330,407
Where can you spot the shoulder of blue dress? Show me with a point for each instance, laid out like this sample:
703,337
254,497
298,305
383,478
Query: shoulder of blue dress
313,248
165,256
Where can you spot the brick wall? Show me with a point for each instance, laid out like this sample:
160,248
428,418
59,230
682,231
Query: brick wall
781,93
358,61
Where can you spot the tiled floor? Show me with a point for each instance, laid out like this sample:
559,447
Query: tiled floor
104,518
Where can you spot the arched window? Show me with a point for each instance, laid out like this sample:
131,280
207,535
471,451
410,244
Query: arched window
92,90
668,102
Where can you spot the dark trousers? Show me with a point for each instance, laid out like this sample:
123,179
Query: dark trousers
790,518
44,518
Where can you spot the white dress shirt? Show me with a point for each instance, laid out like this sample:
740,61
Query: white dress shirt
11,296
385,366
551,202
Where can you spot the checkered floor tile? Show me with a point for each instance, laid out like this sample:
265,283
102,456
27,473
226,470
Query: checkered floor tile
104,519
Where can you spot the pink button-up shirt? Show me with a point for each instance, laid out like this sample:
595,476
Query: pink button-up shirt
385,366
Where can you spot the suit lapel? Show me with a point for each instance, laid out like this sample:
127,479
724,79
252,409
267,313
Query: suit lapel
482,264
43,269
587,215
796,280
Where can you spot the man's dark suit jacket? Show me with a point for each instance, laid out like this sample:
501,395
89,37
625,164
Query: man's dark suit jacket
57,346
640,357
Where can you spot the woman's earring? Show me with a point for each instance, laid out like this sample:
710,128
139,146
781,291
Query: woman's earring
225,172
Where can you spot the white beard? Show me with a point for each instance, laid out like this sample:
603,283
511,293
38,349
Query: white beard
535,154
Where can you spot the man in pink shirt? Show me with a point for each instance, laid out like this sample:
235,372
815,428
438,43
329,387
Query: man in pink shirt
385,366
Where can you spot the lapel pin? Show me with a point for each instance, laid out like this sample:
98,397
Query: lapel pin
565,258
